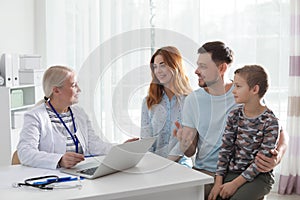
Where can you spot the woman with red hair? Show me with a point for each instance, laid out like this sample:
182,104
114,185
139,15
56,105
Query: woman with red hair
163,105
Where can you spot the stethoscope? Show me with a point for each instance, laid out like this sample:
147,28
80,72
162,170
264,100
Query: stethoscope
40,185
43,182
74,137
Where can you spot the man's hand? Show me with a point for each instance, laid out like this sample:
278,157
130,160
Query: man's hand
266,164
70,159
187,138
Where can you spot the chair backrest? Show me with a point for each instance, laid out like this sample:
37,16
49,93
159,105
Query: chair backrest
15,159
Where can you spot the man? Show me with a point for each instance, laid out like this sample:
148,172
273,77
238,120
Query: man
205,112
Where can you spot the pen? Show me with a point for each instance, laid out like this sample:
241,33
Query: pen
90,155
62,179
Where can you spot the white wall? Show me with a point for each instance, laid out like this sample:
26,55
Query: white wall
19,23
17,26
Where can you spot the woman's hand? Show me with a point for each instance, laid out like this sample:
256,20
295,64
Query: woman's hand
70,159
131,140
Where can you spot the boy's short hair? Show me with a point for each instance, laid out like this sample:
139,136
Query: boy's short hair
255,75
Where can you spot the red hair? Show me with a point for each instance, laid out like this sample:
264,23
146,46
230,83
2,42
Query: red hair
180,82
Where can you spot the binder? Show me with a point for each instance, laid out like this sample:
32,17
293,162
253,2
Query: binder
6,69
15,69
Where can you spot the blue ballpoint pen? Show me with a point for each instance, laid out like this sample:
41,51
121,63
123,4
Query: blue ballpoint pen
91,155
62,179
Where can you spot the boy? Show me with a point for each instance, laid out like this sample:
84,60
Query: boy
251,128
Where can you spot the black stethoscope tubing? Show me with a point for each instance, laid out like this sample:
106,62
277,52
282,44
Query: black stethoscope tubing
43,186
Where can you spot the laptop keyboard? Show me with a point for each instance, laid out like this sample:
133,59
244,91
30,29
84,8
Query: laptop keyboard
89,171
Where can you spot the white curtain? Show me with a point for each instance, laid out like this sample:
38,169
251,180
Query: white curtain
109,43
290,171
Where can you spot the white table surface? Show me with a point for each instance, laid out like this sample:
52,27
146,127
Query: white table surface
153,178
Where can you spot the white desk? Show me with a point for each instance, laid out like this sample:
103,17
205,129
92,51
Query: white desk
153,178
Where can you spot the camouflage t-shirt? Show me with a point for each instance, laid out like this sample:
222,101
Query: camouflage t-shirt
243,138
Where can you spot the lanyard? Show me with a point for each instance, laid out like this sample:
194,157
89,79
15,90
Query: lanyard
74,138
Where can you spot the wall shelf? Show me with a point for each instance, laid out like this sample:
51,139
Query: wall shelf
9,134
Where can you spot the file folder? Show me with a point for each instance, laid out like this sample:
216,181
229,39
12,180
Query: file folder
15,69
6,69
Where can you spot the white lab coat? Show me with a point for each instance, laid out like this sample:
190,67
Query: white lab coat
42,146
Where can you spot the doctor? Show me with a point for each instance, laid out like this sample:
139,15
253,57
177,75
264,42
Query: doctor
57,133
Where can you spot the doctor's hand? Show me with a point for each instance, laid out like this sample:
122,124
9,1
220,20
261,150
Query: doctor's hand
70,159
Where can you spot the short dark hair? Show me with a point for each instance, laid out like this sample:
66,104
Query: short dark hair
219,52
255,75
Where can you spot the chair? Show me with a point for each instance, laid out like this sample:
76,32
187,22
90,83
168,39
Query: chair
15,159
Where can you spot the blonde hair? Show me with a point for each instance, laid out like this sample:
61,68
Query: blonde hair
54,77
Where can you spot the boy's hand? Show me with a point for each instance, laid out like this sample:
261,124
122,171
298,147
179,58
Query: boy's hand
214,193
227,190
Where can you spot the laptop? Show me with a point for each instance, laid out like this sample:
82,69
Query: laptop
120,157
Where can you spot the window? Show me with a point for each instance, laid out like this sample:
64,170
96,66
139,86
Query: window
86,36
